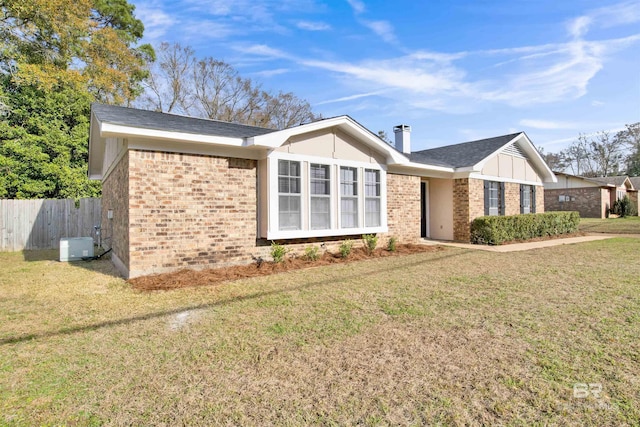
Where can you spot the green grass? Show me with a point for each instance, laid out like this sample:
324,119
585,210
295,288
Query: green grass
456,337
627,225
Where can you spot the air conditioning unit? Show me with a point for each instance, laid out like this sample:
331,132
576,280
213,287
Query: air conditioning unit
75,248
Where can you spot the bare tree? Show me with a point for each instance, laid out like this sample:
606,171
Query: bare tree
210,88
606,153
168,87
630,138
577,158
555,161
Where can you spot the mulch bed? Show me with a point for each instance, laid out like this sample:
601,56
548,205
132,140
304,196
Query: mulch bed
192,278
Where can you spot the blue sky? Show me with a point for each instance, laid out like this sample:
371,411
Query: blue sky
453,70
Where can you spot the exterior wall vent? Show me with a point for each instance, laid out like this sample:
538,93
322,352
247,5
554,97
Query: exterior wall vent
514,150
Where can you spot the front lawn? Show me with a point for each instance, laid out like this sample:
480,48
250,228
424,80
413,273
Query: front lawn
627,225
455,337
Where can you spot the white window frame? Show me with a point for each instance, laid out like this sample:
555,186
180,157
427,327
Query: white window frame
290,194
273,232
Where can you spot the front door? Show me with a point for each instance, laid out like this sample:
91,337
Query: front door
424,209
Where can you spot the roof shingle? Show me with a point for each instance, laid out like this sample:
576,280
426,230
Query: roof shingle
462,155
173,123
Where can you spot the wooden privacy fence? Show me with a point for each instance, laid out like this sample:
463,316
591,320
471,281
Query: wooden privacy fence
39,224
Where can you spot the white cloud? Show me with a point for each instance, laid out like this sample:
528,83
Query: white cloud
382,28
357,6
350,97
157,23
313,26
271,73
263,50
547,124
596,103
579,26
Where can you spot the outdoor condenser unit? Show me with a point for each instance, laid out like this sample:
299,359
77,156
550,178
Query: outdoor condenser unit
75,248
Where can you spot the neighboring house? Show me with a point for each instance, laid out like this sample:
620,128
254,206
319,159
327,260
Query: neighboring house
181,192
592,197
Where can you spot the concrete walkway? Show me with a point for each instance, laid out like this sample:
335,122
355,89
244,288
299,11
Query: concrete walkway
529,245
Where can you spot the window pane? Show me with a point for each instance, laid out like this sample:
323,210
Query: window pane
320,179
348,181
294,168
294,185
319,171
372,212
320,213
289,214
349,212
283,185
283,167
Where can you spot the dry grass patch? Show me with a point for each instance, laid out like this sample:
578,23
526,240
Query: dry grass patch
626,225
456,337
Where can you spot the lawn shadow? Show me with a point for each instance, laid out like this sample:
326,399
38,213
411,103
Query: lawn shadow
241,298
102,265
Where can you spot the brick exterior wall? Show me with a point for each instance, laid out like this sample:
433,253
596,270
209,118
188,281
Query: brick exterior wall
461,209
190,211
512,198
403,207
588,201
468,204
115,197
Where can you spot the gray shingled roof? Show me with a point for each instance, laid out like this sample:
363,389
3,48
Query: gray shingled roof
172,122
635,180
610,180
462,155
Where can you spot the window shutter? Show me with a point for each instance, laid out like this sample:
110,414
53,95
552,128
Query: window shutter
486,198
521,199
501,197
533,199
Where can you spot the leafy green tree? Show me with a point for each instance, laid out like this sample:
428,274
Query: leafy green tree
56,57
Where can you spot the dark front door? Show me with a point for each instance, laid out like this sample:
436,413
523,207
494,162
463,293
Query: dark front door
423,209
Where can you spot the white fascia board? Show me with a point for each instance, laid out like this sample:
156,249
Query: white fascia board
109,129
422,170
276,139
96,149
503,179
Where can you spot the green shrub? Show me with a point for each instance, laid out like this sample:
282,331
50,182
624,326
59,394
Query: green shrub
495,230
625,207
370,242
311,253
345,248
392,243
278,252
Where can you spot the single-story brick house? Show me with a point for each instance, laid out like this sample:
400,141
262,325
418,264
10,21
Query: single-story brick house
592,197
182,192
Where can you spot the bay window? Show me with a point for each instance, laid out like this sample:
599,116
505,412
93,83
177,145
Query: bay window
305,196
